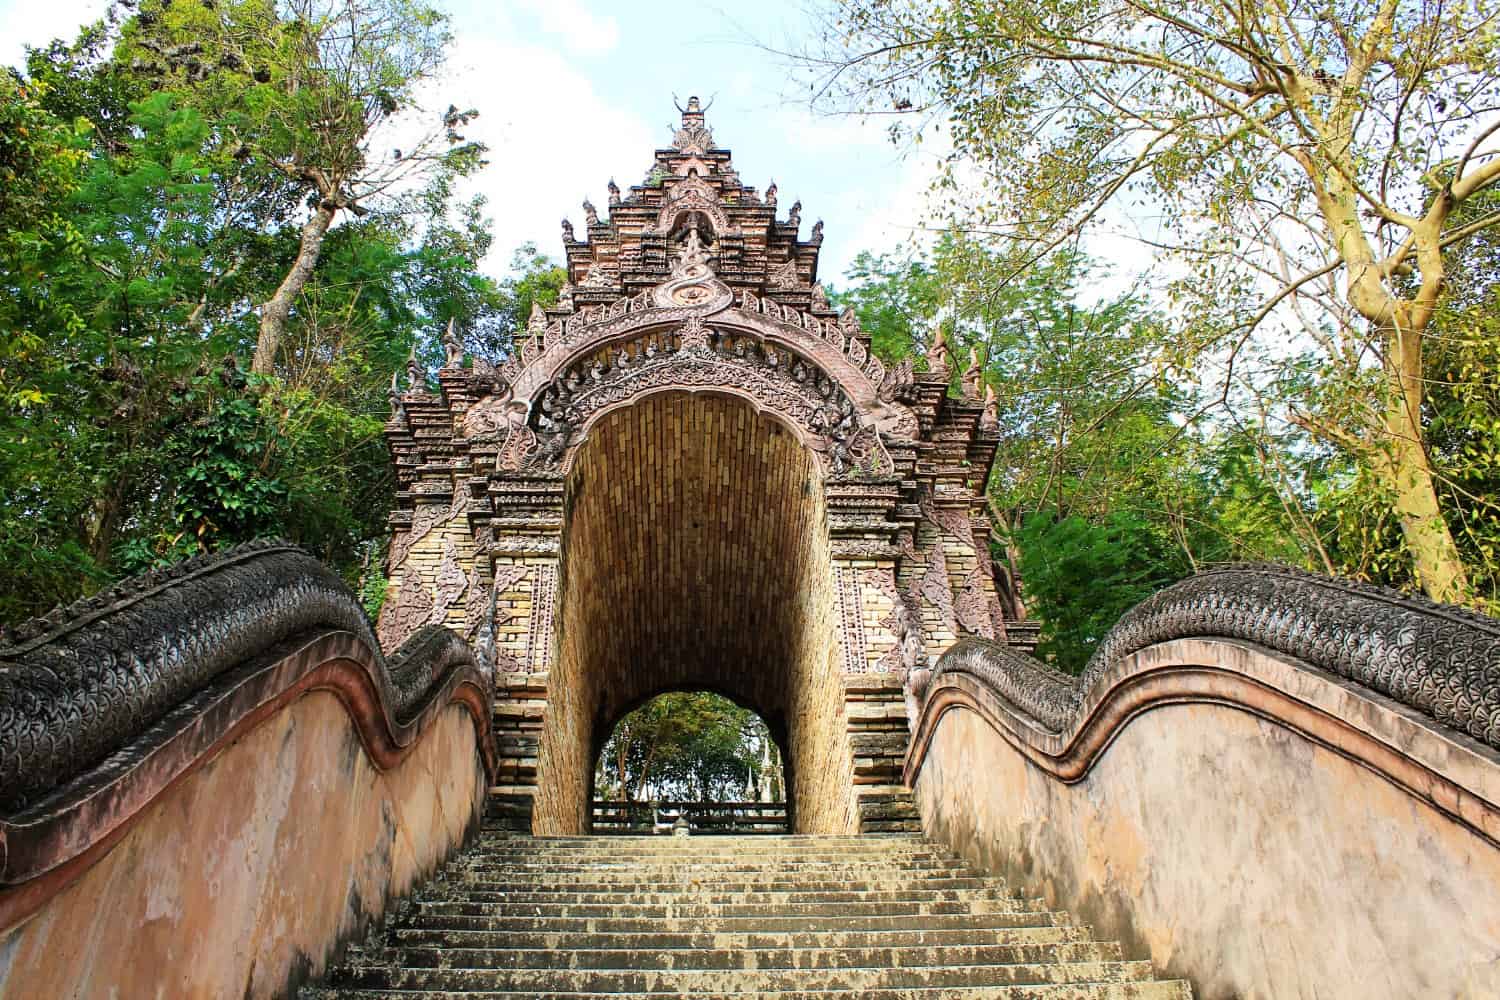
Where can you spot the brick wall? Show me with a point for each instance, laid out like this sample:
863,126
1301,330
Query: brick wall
695,556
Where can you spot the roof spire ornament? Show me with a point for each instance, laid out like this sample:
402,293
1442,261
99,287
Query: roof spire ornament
614,193
973,375
537,322
693,136
771,194
794,217
414,371
453,346
937,354
989,420
590,213
817,233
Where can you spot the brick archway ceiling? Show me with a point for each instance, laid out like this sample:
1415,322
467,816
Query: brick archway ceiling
691,555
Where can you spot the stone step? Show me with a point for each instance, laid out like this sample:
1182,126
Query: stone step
683,981
496,904
497,880
888,938
475,916
1164,990
699,896
696,959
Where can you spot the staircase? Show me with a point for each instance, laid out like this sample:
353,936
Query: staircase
767,916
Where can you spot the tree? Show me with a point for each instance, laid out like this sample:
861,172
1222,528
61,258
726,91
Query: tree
316,98
682,745
1304,155
1100,488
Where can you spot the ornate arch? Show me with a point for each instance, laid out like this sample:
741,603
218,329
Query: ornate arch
694,356
694,194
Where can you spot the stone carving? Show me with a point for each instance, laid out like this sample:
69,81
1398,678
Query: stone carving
973,376
974,609
451,582
413,609
614,193
1440,660
453,347
820,296
778,379
693,136
590,213
425,517
852,621
937,589
899,384
84,682
567,232
543,601
688,196
937,354
783,275
794,217
771,195
989,419
816,236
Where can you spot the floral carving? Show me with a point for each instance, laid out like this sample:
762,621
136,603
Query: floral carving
451,582
412,610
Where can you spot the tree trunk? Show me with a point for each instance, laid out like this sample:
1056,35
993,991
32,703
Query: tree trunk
1404,465
274,313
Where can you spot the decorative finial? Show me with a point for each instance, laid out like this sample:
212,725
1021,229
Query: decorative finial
590,214
973,375
398,413
414,371
565,296
817,233
849,322
820,297
937,354
794,217
453,345
614,193
693,136
771,195
989,420
567,228
537,321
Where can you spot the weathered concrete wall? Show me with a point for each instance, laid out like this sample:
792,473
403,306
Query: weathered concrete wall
241,879
1270,838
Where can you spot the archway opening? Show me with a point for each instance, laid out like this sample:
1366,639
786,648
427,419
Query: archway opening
692,760
695,555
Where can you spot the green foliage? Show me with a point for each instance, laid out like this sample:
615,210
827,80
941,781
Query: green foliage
1104,486
145,214
683,745
1086,574
535,279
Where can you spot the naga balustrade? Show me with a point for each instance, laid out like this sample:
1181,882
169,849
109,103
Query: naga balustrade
218,760
1268,782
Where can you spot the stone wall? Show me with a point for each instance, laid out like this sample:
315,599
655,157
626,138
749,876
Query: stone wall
1243,821
241,878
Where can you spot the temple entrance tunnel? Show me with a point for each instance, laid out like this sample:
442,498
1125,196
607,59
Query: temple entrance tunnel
694,555
694,759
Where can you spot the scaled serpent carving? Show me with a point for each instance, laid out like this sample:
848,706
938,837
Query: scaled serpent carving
85,681
1440,660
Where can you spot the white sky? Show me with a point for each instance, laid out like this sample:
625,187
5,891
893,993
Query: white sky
573,92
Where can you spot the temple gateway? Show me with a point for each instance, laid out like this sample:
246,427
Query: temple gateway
695,473
221,780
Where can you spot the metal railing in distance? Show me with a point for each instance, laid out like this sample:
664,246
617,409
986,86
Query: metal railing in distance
703,818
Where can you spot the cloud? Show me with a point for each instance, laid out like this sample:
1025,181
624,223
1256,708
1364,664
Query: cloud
553,139
26,22
581,30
